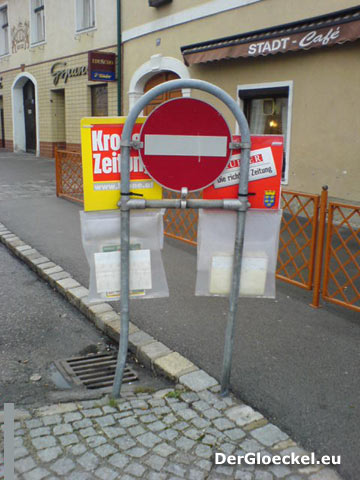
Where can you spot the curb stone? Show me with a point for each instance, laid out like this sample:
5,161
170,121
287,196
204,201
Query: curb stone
152,353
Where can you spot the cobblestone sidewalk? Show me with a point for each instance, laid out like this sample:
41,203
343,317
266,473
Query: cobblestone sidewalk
170,434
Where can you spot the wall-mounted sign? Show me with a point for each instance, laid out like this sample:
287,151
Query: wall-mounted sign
315,38
265,169
101,161
59,71
101,66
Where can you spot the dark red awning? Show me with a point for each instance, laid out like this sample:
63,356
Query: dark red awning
317,32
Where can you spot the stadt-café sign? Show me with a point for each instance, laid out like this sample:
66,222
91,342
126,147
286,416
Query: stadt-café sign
315,38
60,72
101,66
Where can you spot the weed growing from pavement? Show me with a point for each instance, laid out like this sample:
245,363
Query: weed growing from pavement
144,390
174,394
112,402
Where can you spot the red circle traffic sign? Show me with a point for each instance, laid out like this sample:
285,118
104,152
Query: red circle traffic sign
186,143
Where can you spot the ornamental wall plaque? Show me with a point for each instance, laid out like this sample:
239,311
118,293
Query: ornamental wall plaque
20,37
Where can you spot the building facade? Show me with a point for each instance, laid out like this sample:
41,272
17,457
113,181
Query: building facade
45,89
294,67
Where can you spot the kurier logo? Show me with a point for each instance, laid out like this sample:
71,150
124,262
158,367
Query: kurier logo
269,198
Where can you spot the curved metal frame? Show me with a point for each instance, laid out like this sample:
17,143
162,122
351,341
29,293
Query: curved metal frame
126,204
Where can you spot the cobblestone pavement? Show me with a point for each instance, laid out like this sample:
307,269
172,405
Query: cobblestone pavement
169,434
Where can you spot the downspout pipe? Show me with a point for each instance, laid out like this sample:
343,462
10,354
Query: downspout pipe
119,58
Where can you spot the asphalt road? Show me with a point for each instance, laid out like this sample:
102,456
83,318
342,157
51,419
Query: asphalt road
297,365
37,327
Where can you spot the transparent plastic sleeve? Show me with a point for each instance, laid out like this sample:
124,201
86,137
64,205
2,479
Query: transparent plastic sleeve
216,239
100,232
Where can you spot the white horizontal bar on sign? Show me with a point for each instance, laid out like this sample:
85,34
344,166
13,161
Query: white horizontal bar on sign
185,145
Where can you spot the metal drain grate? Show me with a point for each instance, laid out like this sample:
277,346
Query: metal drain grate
94,371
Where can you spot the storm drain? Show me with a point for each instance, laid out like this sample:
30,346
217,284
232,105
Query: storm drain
94,371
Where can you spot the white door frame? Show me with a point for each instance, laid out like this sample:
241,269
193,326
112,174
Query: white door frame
18,117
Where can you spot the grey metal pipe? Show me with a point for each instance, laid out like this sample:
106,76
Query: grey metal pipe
9,441
125,224
125,273
226,204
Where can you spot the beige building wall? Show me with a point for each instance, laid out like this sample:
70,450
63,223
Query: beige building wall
324,142
58,114
61,37
207,19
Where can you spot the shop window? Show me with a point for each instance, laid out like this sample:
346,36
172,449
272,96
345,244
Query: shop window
99,101
4,31
85,14
267,111
37,21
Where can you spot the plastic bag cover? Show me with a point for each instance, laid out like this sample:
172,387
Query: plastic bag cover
216,239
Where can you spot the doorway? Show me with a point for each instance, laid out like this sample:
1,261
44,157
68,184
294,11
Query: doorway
29,116
2,125
153,82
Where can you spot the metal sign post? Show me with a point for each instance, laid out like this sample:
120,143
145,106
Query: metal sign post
126,204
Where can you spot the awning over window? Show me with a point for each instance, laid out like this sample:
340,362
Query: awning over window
323,31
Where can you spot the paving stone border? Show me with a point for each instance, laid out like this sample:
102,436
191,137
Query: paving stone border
166,435
196,407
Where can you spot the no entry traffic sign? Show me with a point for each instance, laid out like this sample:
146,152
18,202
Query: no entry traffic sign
186,143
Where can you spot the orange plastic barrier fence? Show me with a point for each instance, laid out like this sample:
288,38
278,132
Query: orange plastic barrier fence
181,224
342,256
69,180
298,238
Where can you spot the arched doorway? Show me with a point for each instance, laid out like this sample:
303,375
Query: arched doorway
156,67
25,114
157,80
